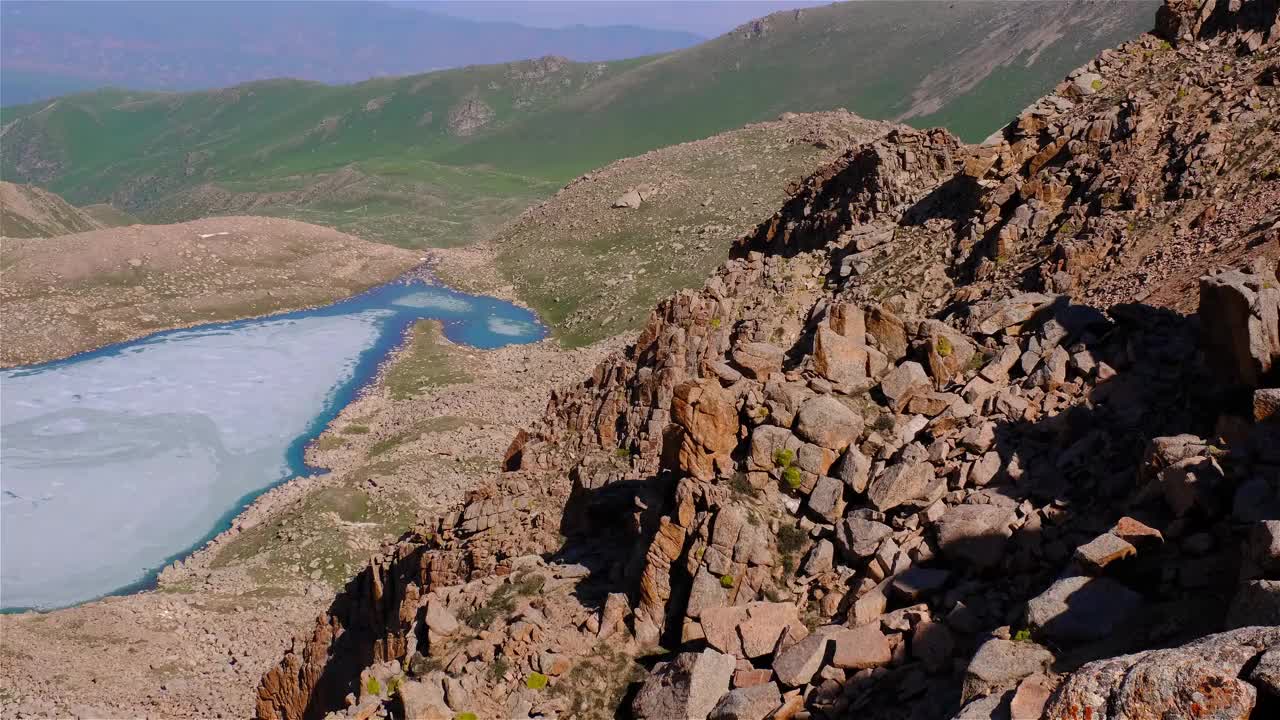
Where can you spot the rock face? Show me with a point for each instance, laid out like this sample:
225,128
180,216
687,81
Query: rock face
921,482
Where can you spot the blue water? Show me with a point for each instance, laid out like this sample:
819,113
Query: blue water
117,461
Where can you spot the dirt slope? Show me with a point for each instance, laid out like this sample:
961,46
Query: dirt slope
27,211
73,293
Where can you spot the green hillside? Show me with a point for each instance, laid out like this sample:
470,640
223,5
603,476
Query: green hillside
442,158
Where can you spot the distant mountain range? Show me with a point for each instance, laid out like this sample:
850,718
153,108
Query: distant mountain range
52,48
443,158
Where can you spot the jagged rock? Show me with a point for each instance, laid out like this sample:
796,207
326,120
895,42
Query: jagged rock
828,422
765,623
1104,550
1240,315
889,332
976,534
948,351
1266,405
826,499
999,664
862,647
853,469
1200,679
629,199
1080,608
840,359
748,703
796,665
902,382
917,582
784,401
820,558
440,622
708,415
689,686
1266,674
758,359
901,483
858,538
720,626
424,701
1032,695
848,320
1013,312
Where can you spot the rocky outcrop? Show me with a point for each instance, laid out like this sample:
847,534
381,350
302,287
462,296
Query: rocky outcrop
896,459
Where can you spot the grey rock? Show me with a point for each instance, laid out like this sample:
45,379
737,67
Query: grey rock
861,647
826,421
901,483
976,534
902,382
1257,602
858,538
750,703
689,686
796,665
999,664
853,469
1080,608
826,500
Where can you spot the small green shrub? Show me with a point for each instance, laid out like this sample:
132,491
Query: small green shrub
791,539
783,457
1096,85
373,687
791,476
740,485
499,667
393,685
883,423
1023,635
726,581
943,347
1164,45
715,323
465,716
536,681
623,453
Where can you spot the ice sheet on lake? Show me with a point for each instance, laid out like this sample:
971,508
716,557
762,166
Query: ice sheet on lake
510,328
113,463
435,300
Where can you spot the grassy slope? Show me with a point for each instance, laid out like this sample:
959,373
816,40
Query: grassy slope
159,155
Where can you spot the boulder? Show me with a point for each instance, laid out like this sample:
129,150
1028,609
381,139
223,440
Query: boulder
853,469
901,483
629,199
689,686
1201,679
999,664
1079,608
888,331
858,538
423,700
748,703
862,647
948,351
796,665
758,359
1012,313
1257,602
903,382
764,625
708,416
1240,317
826,421
826,501
932,644
840,359
975,534
1103,550
849,321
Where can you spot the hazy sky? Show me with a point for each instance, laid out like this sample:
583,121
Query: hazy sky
705,17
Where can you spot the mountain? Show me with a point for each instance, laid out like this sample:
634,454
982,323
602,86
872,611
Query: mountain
960,431
29,212
447,157
50,49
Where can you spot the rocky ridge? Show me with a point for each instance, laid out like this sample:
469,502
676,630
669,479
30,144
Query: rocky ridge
943,438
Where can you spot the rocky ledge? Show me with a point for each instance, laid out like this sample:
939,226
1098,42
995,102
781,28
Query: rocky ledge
959,432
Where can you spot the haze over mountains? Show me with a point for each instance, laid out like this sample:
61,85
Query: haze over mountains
442,158
50,48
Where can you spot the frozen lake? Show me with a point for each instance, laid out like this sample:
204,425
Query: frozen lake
117,461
